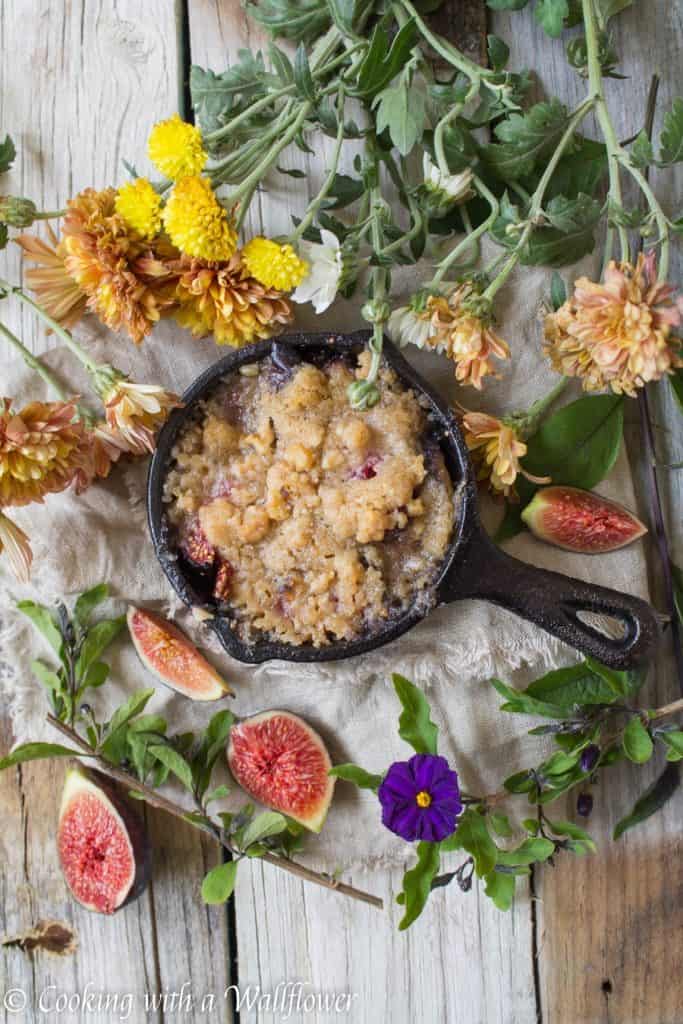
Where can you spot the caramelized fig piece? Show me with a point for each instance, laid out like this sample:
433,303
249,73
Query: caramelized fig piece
581,520
283,763
103,848
172,657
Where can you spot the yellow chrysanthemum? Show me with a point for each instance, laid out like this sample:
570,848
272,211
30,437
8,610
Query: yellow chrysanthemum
275,266
140,207
496,450
225,301
197,223
176,148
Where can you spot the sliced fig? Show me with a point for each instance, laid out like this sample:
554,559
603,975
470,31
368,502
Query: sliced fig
196,549
223,583
283,763
103,848
581,520
173,658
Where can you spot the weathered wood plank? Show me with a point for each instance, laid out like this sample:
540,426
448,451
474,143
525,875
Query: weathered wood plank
84,83
464,962
609,926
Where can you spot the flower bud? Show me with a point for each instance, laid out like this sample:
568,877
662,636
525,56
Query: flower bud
17,212
590,757
376,311
584,804
363,394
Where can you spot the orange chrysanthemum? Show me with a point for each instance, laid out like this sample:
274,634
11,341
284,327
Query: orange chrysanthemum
617,334
465,335
43,449
126,281
53,286
496,450
223,300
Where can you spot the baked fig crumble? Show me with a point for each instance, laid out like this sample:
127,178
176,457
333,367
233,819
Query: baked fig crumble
309,522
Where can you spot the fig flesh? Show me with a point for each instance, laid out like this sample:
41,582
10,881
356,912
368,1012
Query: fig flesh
581,521
172,657
283,763
103,848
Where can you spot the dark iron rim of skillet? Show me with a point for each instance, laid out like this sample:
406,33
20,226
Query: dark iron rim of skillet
472,567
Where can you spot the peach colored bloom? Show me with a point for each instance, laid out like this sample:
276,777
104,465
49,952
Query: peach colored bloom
54,288
465,335
15,546
134,413
617,334
496,450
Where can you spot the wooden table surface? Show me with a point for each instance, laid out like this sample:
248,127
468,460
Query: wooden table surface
592,940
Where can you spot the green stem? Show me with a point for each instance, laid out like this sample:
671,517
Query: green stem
539,408
536,206
449,52
659,215
34,363
316,203
606,126
439,150
49,214
248,186
471,238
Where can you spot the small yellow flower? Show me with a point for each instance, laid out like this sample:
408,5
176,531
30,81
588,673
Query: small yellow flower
176,148
275,266
496,450
197,223
14,544
140,207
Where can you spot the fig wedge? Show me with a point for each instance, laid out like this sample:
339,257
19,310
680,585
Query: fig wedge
581,521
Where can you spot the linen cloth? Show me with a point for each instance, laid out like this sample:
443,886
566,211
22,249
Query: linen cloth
102,536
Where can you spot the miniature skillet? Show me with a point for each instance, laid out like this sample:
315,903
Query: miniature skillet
473,567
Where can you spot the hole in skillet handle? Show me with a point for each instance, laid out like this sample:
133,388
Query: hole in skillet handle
286,351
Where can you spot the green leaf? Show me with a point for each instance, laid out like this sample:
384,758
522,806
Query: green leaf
149,723
133,706
299,20
359,777
671,139
520,782
573,831
642,153
500,888
343,13
7,154
175,762
580,171
530,851
500,823
579,444
507,5
521,702
551,14
383,60
417,882
270,823
88,601
218,885
96,642
525,140
44,620
652,800
303,79
623,684
414,724
576,684
498,51
282,65
402,110
36,752
46,676
676,382
558,291
674,741
473,836
219,793
637,742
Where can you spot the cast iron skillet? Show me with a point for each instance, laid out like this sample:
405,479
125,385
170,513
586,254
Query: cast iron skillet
472,568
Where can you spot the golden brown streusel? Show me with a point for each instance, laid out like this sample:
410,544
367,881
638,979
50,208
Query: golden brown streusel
320,520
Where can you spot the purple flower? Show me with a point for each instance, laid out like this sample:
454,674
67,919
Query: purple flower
420,798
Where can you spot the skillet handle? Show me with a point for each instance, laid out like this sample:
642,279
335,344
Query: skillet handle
552,601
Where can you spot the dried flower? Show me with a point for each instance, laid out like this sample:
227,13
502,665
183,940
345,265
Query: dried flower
140,206
134,413
176,148
461,327
125,279
15,545
617,334
197,223
443,191
223,300
327,265
43,448
51,283
275,266
420,798
496,450
408,325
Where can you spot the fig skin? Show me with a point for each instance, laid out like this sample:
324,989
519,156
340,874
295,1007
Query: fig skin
245,732
79,776
597,526
205,685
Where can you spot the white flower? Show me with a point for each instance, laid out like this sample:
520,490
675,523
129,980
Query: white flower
407,327
326,265
449,188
